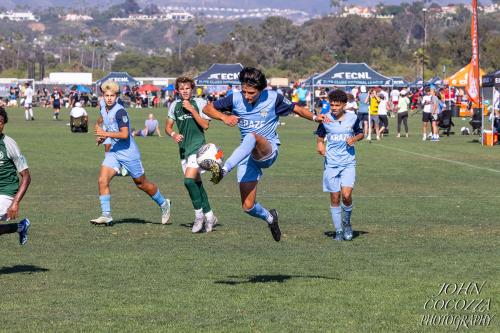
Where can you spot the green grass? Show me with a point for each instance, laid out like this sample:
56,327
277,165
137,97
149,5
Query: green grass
422,222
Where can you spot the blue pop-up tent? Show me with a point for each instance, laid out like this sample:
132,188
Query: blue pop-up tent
220,74
399,82
418,83
351,74
436,81
122,78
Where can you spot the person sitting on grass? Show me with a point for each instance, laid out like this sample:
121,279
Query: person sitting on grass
150,127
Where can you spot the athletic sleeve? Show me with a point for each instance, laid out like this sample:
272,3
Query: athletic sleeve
321,131
15,155
225,103
122,118
171,110
201,104
283,106
356,128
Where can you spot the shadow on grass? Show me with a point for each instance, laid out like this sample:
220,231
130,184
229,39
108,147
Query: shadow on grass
22,269
132,220
355,233
190,225
269,279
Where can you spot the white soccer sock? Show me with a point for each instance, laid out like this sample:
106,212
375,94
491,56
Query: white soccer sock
26,114
210,216
198,213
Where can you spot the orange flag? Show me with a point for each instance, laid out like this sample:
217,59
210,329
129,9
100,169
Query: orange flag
472,87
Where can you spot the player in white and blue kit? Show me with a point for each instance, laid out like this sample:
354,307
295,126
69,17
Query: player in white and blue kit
256,111
335,142
114,127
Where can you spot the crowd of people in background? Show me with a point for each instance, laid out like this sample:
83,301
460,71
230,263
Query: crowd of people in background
373,105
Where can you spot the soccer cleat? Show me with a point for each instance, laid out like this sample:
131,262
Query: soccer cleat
103,220
217,173
274,227
165,212
209,225
197,225
348,232
339,235
22,229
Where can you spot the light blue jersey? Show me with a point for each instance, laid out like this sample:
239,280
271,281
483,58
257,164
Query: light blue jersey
262,117
113,120
338,152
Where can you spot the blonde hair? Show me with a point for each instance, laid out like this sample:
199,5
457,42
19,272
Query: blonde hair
110,86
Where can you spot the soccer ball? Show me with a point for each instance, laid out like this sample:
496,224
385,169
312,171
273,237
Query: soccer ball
207,155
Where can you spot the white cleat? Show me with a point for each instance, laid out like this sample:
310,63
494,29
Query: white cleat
102,220
211,224
197,225
165,212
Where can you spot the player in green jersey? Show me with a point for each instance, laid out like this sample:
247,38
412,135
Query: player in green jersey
12,162
191,122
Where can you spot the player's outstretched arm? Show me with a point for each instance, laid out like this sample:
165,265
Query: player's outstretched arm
13,210
213,113
305,113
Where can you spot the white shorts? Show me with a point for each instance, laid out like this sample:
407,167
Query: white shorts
5,202
190,162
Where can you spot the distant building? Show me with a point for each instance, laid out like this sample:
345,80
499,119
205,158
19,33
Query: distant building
177,16
18,16
77,18
365,12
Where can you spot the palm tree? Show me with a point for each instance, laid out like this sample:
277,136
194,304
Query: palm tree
201,32
180,33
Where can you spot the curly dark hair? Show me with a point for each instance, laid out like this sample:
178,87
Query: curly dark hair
337,95
4,115
184,79
253,77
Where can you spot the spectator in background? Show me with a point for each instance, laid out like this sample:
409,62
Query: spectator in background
78,118
229,90
56,103
395,99
150,127
302,95
382,116
374,102
28,102
324,103
364,107
403,108
351,106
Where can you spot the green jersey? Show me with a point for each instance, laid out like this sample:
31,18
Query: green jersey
11,162
193,134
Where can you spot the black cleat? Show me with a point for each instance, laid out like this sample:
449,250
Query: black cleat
274,227
217,173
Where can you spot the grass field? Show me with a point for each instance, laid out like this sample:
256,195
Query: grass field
425,214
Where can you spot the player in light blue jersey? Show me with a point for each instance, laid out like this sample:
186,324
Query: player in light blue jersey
113,127
256,111
340,135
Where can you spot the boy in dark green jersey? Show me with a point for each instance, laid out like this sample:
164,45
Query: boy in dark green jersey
12,162
191,122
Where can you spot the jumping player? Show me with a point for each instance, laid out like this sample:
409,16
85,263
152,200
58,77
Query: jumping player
256,111
12,162
339,174
191,122
124,152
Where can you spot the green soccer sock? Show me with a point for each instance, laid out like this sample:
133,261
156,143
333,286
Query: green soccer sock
194,193
204,198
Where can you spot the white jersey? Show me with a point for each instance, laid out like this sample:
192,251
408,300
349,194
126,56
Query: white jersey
28,93
395,95
427,102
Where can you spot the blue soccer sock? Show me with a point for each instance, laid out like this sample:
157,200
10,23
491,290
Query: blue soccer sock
336,217
347,210
158,198
240,153
258,211
105,204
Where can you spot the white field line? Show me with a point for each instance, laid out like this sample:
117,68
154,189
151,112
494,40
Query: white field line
441,159
280,196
